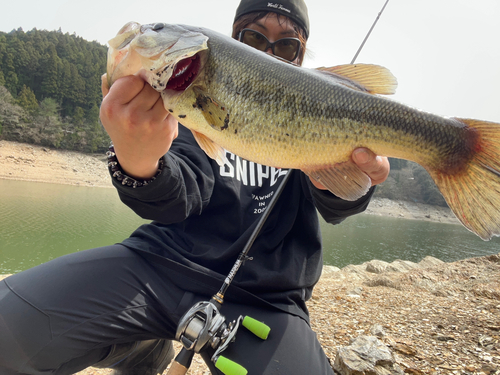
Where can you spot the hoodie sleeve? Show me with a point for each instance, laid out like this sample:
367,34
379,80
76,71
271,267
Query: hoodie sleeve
182,189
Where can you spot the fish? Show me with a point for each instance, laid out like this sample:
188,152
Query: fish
266,110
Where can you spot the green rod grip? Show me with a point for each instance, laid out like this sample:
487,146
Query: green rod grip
259,329
229,367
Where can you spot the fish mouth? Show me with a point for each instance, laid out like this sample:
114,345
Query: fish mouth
185,71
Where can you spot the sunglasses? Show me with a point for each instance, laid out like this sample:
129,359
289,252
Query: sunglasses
286,48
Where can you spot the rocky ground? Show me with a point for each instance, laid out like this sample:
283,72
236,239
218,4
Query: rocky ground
425,318
428,318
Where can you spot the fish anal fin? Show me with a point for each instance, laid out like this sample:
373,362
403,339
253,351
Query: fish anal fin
375,79
215,113
345,180
211,148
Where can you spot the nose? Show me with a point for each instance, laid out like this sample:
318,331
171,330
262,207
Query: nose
158,26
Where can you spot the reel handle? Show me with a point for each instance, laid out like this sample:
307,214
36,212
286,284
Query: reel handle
259,329
228,367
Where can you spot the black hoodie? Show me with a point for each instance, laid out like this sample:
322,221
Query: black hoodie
204,214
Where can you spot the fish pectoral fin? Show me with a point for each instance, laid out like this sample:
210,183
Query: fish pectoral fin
374,79
345,180
215,113
211,148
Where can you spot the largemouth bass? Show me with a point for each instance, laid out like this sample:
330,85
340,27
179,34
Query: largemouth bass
236,98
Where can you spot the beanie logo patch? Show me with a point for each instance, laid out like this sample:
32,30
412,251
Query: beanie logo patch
278,6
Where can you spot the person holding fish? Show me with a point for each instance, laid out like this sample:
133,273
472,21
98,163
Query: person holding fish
119,306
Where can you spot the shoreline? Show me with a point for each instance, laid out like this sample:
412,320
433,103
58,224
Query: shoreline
31,163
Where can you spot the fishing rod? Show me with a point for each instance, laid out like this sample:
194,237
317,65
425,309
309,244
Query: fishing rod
203,326
369,32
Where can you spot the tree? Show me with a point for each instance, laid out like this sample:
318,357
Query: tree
50,65
78,116
47,126
11,117
26,99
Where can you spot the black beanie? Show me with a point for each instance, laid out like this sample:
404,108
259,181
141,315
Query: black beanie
296,10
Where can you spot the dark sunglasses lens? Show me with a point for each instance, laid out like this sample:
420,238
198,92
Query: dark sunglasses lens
254,39
287,48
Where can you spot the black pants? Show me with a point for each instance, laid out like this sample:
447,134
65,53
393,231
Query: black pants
62,316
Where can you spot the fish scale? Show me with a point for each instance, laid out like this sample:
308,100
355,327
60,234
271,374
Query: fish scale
274,113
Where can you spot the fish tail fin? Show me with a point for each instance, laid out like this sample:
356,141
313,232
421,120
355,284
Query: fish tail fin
473,194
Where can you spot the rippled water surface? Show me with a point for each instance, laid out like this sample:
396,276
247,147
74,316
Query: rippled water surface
362,238
39,222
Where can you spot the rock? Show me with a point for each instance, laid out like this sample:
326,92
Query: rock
356,271
378,331
382,281
331,272
365,355
376,266
429,261
356,293
401,266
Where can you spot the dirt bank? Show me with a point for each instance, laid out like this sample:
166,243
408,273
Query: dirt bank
24,162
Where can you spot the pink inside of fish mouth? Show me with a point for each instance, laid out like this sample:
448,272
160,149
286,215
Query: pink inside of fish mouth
184,73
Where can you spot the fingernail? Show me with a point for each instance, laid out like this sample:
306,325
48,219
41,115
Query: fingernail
361,155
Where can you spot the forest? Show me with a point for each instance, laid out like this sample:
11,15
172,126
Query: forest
50,90
50,96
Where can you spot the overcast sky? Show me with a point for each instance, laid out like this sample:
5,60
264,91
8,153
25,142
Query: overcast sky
444,53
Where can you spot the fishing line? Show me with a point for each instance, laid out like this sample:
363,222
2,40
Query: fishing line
369,32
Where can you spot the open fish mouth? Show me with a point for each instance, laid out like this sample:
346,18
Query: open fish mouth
185,72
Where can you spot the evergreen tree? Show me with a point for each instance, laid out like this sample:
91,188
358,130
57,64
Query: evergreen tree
27,100
50,65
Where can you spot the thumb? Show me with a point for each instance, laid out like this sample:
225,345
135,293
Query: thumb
104,85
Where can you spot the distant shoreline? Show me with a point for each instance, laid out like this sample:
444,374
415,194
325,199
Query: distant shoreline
410,210
26,162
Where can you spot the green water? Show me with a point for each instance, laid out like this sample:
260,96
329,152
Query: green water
39,222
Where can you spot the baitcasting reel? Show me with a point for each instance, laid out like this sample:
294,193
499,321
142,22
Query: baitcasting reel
204,326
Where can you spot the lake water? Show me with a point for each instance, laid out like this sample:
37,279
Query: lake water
39,222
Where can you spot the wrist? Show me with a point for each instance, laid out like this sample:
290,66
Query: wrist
118,173
136,164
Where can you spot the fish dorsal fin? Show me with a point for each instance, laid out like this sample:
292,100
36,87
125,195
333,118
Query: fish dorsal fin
375,79
215,113
345,180
211,148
